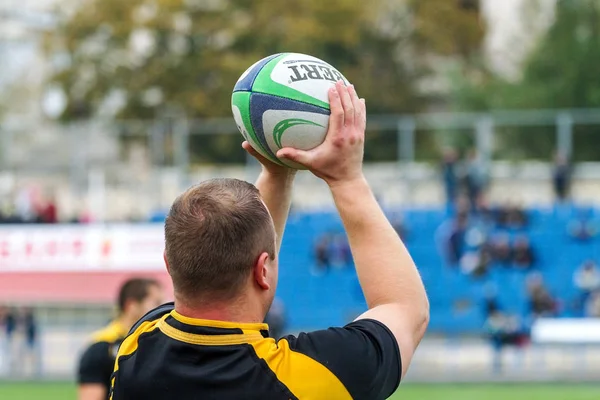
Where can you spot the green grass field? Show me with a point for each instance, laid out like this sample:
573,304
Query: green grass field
66,391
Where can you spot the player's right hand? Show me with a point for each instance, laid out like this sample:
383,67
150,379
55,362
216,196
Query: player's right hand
339,158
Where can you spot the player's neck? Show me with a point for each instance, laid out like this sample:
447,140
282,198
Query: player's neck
240,311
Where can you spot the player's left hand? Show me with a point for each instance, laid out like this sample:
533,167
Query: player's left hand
268,166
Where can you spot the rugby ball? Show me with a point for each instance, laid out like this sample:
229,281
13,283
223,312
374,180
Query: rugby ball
282,101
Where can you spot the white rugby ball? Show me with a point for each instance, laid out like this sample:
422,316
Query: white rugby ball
282,101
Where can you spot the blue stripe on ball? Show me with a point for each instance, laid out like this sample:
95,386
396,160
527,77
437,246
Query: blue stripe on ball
245,85
259,103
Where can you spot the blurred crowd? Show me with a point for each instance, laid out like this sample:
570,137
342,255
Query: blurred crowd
19,347
33,205
479,237
29,205
482,239
470,176
332,250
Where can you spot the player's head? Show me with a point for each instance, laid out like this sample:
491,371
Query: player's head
220,245
137,296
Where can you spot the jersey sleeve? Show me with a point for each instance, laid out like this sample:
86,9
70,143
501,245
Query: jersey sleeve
363,355
95,365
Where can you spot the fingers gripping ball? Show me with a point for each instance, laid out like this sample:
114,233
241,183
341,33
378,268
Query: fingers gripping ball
282,101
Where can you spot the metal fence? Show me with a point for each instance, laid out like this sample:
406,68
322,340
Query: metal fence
156,158
168,140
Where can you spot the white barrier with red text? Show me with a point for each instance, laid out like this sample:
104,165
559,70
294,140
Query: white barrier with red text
36,248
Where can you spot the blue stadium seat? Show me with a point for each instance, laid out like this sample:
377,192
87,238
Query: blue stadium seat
456,299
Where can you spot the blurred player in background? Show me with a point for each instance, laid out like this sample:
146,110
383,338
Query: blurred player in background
222,242
137,296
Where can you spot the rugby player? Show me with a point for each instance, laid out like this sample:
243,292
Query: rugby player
137,296
222,242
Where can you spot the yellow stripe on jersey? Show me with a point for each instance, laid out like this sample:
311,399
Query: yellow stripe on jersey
130,344
219,324
208,340
306,378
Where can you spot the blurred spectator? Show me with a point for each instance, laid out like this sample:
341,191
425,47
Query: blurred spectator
10,328
8,215
504,330
8,212
47,212
29,206
583,226
477,257
523,254
561,177
541,303
24,205
449,174
486,214
587,279
516,217
323,261
340,254
456,240
592,308
332,250
490,300
501,251
511,216
10,323
463,206
476,262
3,349
31,340
475,177
276,319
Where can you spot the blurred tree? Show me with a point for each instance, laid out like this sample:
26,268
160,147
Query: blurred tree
142,58
449,28
560,72
449,37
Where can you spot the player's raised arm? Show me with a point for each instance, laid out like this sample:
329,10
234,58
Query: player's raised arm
275,186
390,281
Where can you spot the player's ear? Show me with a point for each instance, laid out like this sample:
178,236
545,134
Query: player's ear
261,271
166,261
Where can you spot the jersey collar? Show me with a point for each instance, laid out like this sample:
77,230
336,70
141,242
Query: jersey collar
203,331
219,324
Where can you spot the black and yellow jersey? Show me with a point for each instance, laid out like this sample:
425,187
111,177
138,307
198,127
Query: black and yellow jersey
168,356
98,360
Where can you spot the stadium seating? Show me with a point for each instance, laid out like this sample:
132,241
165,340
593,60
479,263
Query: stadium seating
456,299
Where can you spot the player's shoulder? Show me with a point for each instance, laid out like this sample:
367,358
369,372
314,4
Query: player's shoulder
363,355
357,335
111,333
97,347
96,354
153,315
